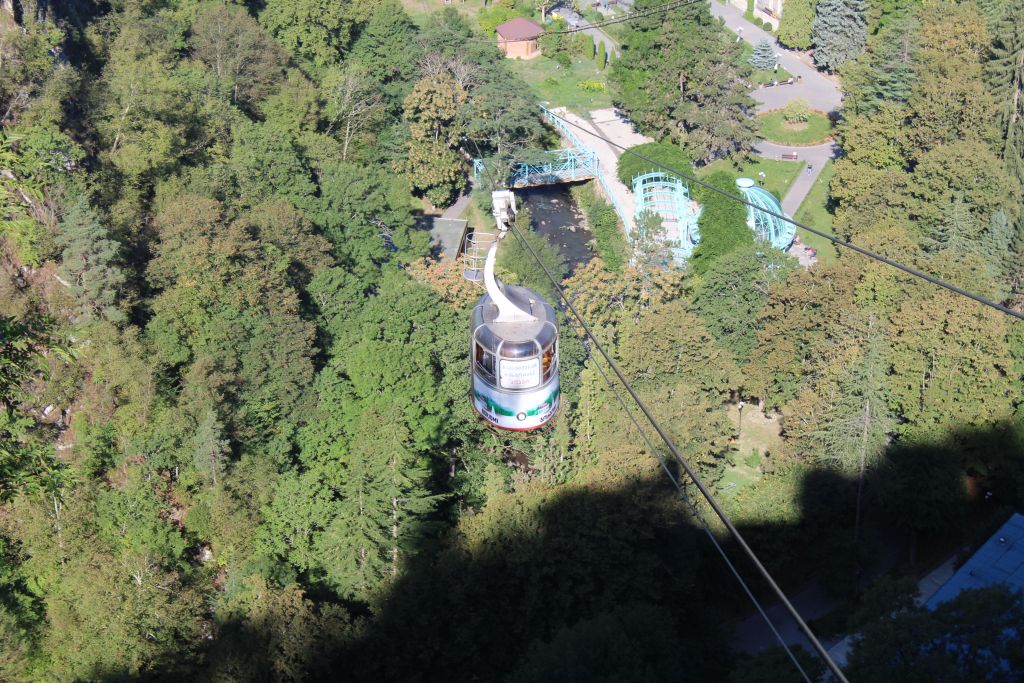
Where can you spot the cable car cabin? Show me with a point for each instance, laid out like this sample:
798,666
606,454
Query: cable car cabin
515,364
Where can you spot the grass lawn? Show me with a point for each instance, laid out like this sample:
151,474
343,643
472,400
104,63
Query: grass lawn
758,436
773,127
814,212
420,9
779,175
561,87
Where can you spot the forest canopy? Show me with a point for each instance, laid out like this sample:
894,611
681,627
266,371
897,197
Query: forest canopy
235,440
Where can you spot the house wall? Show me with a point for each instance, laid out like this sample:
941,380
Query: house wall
522,49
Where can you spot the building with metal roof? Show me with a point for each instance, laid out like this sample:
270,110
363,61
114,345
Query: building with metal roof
766,226
1000,561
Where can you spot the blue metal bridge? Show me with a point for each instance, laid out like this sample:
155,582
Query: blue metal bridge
566,165
554,166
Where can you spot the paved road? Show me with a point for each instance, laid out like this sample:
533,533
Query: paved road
816,156
575,20
459,207
820,91
753,635
609,44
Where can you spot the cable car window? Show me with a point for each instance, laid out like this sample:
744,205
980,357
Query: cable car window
518,349
548,360
484,361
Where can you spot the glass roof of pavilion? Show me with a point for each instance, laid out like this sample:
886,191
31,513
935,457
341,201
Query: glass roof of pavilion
767,227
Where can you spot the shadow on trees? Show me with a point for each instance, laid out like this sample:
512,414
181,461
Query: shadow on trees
922,501
603,584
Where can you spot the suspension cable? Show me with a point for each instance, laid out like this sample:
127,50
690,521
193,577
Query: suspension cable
700,518
638,14
705,492
820,233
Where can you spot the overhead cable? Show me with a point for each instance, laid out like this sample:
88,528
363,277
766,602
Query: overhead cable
700,518
814,231
661,460
704,491
639,14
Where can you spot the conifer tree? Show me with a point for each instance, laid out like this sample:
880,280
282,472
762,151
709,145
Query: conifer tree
763,57
650,246
602,56
795,25
211,447
89,266
383,499
1004,74
839,32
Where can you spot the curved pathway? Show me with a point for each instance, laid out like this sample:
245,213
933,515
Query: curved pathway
819,90
817,156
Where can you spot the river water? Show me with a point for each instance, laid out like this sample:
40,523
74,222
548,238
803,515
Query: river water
558,218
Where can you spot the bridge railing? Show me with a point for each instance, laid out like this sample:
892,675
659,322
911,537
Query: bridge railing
576,162
669,197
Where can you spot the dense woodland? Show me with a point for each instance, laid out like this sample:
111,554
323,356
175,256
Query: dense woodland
235,442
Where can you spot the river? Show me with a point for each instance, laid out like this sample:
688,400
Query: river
558,218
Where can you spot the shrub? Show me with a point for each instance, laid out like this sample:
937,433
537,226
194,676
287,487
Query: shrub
591,86
797,111
662,152
563,60
752,460
604,224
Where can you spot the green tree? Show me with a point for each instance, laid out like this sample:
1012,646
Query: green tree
949,101
948,356
602,56
886,71
974,636
681,76
228,318
89,265
315,31
651,249
383,500
723,223
665,154
387,49
795,25
267,163
433,166
1004,74
839,32
354,105
145,108
245,60
731,293
364,212
763,56
212,450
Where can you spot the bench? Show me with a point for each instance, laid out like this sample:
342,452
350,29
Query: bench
790,156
